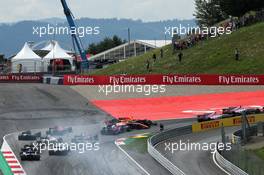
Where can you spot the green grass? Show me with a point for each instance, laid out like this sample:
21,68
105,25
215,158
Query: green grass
214,56
139,145
260,153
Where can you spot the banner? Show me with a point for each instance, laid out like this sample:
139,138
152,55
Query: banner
164,80
21,78
227,122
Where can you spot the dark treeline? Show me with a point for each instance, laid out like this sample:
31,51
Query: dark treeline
210,12
107,43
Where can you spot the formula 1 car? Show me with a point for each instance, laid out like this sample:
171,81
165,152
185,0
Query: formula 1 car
59,150
115,129
212,116
28,136
137,125
237,111
29,155
148,123
31,148
59,131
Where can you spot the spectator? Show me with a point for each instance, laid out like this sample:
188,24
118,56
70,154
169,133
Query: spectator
174,46
237,54
180,55
161,53
154,57
161,127
148,65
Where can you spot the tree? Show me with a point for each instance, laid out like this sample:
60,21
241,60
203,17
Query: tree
239,7
106,44
208,12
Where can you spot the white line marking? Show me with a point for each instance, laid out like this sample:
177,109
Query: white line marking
216,163
145,171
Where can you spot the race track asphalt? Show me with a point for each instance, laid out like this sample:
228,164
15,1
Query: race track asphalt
195,162
36,106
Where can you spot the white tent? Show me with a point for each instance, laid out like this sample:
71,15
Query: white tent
56,53
26,61
50,45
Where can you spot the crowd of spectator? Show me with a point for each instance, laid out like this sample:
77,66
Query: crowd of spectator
233,23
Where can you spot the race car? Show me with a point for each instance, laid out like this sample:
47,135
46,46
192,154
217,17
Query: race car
137,125
212,116
28,136
237,111
84,139
31,148
29,155
59,150
59,131
115,129
146,122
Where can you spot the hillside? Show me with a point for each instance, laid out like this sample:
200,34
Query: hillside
214,56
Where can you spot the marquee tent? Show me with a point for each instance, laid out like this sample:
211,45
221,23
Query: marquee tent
57,53
26,61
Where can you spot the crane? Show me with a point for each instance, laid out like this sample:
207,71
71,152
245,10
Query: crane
75,37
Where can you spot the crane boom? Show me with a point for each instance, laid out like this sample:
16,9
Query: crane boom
76,39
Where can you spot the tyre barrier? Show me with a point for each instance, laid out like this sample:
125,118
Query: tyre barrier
158,138
225,164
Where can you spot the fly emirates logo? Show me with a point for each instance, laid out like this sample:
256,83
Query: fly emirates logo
238,80
80,80
127,80
182,79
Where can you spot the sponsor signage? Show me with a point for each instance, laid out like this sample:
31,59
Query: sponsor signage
165,80
227,122
210,125
238,121
23,78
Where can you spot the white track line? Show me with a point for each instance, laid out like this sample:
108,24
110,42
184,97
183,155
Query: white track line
133,160
216,163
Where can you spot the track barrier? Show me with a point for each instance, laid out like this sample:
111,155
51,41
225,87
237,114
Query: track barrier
231,168
21,78
171,79
158,138
227,122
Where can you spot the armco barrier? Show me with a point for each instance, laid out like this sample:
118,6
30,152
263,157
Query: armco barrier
154,140
227,122
231,168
